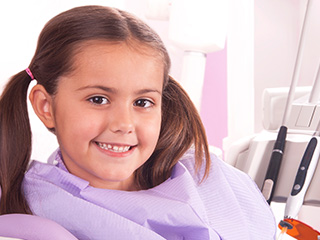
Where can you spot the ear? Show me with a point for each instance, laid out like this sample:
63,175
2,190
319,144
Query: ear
42,105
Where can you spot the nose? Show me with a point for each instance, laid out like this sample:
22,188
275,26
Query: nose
121,121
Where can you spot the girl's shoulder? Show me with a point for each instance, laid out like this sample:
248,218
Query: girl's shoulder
221,175
218,167
228,192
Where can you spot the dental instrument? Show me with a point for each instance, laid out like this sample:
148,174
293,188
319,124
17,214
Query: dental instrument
272,173
304,175
295,200
301,183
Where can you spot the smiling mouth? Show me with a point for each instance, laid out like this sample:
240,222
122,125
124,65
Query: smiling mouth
114,148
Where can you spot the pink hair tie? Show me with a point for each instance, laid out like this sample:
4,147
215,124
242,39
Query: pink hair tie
30,73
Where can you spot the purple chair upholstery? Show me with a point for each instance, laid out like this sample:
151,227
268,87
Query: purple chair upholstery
32,227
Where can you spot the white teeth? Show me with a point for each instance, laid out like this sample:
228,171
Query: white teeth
126,148
109,147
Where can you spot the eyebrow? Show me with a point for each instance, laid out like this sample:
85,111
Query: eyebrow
113,90
147,90
106,89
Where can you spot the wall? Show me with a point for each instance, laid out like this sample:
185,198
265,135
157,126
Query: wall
240,70
214,99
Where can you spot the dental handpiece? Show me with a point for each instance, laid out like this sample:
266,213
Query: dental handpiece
303,178
274,165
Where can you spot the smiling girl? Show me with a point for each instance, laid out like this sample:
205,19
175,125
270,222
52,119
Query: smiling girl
133,159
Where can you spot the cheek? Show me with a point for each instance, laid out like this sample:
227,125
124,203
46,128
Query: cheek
150,130
76,125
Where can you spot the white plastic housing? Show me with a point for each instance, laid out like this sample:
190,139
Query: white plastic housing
199,26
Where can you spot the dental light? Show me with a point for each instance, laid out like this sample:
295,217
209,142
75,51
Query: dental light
197,27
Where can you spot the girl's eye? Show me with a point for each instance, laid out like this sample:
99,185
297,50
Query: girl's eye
98,100
144,103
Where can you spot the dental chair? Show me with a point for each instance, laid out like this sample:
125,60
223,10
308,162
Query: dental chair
29,227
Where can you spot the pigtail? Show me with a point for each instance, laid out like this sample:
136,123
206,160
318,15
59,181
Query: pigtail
15,143
181,128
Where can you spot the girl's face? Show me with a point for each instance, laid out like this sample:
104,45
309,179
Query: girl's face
107,114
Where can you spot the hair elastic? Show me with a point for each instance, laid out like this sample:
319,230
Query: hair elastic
30,73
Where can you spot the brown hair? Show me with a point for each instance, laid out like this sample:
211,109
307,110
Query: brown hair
58,42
